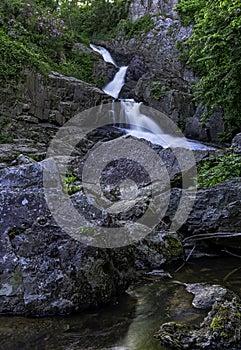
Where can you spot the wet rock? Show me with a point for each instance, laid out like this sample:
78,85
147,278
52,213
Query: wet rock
157,249
206,295
104,71
219,330
42,269
136,69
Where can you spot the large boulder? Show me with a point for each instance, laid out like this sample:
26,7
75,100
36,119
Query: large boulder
215,215
42,269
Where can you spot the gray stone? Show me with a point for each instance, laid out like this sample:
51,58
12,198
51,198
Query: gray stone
43,270
206,295
139,8
236,143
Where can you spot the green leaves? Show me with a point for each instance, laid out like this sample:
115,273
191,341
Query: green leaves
216,170
214,51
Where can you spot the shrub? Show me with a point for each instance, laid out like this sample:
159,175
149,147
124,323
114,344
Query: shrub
216,170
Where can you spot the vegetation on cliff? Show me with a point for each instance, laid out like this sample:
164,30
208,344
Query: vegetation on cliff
214,51
41,33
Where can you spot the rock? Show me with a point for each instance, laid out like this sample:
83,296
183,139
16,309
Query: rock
82,49
219,330
217,209
104,71
43,270
139,8
157,249
206,295
209,130
10,152
21,160
136,68
44,104
236,143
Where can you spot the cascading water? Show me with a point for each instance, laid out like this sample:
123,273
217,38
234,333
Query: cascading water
104,53
140,125
114,87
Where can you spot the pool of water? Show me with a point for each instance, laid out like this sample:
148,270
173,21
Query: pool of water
128,324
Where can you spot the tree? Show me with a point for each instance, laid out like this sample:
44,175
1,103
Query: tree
214,51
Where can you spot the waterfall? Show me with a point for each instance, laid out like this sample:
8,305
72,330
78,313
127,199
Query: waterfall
114,87
104,53
140,125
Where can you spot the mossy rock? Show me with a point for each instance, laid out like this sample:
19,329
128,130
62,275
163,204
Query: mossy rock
221,329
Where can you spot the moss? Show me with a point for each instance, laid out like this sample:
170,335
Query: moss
16,279
216,324
174,246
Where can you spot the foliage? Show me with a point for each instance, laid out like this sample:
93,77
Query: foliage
214,51
40,34
70,185
158,90
216,170
14,56
95,18
130,29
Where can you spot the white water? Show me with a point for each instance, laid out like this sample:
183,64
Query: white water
141,125
104,53
114,87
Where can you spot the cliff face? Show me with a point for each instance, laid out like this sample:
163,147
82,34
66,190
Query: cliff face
139,8
32,114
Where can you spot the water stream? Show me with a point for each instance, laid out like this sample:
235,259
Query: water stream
128,324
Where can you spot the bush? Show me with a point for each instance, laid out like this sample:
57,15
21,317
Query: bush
216,170
14,57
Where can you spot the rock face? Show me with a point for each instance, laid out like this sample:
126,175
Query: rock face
139,8
42,270
217,209
43,105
